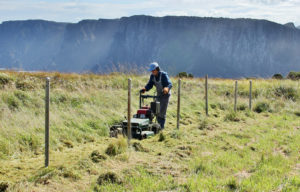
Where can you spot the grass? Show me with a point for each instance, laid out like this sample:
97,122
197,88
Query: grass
247,150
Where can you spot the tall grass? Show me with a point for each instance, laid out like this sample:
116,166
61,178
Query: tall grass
227,151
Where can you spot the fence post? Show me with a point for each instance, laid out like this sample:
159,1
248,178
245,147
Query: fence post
206,95
47,102
250,96
235,95
178,103
129,113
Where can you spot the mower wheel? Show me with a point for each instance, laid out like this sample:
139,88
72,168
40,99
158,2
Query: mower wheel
115,130
155,127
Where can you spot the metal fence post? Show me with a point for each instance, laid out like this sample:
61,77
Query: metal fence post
235,96
206,95
129,113
47,115
178,103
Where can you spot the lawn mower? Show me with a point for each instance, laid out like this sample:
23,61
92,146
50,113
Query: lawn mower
142,123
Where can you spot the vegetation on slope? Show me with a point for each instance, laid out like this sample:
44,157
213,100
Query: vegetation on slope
246,151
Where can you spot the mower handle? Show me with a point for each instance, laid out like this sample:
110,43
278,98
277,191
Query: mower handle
149,96
145,97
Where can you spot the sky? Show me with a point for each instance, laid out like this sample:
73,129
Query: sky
280,11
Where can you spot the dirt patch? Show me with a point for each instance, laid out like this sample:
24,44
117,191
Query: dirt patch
138,147
109,177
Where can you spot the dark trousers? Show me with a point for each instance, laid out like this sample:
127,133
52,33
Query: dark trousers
164,101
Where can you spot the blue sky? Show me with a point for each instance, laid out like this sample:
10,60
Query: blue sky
280,11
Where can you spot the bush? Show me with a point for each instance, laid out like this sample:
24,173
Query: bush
293,75
262,107
277,76
185,74
286,92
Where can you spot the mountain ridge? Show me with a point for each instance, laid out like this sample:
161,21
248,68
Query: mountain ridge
220,47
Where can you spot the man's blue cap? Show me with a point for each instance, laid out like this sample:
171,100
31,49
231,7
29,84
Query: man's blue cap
153,66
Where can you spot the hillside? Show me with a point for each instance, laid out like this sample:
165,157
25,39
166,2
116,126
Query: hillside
219,47
254,150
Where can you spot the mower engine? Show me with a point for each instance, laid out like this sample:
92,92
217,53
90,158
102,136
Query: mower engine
142,125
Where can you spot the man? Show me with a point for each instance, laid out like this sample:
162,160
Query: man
163,86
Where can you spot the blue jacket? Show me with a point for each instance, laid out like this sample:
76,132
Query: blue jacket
165,80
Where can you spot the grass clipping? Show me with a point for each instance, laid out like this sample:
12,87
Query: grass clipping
116,147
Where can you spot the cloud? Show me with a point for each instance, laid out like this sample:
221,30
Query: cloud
281,11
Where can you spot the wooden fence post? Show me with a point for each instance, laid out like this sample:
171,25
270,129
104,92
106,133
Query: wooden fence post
178,103
235,96
129,113
250,95
206,95
47,115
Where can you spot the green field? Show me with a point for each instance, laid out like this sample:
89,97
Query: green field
247,150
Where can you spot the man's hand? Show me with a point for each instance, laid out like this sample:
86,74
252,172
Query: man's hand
166,90
143,90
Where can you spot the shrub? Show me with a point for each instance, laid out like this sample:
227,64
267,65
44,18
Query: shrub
116,147
262,107
286,92
293,75
191,75
277,76
185,74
